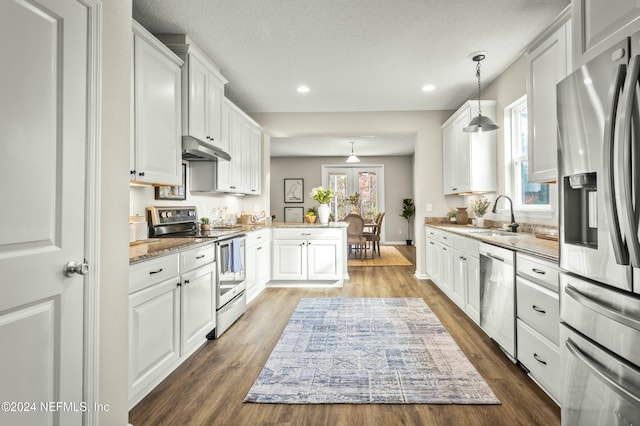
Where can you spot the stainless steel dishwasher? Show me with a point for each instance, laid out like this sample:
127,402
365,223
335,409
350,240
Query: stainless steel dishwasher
497,296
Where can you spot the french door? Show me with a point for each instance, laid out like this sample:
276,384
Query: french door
366,180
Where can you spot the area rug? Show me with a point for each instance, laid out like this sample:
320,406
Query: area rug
367,351
391,256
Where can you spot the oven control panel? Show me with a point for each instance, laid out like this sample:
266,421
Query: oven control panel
172,215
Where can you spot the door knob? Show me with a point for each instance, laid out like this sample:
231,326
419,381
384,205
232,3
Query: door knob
72,268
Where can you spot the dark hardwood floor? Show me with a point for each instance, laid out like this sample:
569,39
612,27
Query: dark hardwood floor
208,388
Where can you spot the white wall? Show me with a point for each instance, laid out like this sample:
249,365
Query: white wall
424,125
114,198
398,175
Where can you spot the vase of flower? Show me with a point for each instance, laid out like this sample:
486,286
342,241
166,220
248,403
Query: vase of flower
322,196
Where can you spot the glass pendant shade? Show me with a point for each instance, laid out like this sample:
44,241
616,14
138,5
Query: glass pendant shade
352,158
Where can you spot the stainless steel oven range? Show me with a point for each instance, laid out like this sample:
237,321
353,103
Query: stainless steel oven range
181,222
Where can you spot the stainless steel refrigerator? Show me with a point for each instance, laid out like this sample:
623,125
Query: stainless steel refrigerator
599,185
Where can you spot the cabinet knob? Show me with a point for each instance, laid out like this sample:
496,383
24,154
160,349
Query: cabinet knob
141,174
132,172
186,281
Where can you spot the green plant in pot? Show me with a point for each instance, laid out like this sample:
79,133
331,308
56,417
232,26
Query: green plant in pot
408,210
204,224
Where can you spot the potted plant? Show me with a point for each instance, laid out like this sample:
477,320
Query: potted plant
311,215
204,224
451,214
479,208
354,201
323,196
408,210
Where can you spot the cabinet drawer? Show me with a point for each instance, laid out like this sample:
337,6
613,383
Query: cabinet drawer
258,236
153,271
538,270
433,233
539,307
446,238
540,356
307,234
466,245
194,258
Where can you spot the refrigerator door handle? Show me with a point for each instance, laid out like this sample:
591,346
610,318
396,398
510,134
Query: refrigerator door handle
624,193
619,250
604,376
601,308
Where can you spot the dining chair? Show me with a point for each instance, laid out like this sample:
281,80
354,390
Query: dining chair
355,237
374,236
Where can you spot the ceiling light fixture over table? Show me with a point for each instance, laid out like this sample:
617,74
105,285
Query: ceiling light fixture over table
480,123
352,158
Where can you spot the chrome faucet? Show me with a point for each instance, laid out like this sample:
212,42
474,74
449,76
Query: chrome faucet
513,225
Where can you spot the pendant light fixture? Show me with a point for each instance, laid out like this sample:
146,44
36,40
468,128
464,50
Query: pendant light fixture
352,158
480,123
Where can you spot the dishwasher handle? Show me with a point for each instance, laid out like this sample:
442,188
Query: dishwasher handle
493,256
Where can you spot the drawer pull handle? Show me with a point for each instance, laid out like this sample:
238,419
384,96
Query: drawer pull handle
539,271
537,358
306,233
200,257
537,309
155,272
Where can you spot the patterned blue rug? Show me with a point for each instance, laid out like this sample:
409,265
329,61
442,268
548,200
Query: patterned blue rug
368,351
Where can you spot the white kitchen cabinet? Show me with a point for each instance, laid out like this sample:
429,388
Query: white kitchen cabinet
307,254
154,325
243,173
156,145
538,321
258,264
171,311
598,24
198,297
548,63
453,264
202,92
469,159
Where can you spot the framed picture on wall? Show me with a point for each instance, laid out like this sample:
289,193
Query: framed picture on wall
173,192
294,190
294,214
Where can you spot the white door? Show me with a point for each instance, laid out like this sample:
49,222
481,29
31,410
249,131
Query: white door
43,115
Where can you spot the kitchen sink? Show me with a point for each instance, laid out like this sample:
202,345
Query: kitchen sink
496,233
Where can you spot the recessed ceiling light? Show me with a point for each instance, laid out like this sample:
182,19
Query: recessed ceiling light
428,87
302,89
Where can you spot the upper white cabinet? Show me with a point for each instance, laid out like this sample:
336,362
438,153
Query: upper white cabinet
469,158
156,144
598,24
241,175
548,63
202,92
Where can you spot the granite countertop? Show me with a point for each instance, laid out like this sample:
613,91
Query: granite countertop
523,242
153,247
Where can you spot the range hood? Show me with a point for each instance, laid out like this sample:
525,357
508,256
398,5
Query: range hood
196,150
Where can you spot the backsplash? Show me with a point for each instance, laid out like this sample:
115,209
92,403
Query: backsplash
529,228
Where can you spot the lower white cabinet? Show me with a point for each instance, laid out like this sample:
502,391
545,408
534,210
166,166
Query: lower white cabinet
538,321
305,254
453,263
154,328
171,310
258,262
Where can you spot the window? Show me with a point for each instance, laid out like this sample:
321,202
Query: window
346,180
526,195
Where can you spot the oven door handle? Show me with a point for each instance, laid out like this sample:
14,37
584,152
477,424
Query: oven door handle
604,376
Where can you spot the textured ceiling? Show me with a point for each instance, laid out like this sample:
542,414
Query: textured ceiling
355,55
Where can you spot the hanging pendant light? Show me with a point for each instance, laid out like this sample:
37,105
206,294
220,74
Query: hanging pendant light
352,158
481,122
